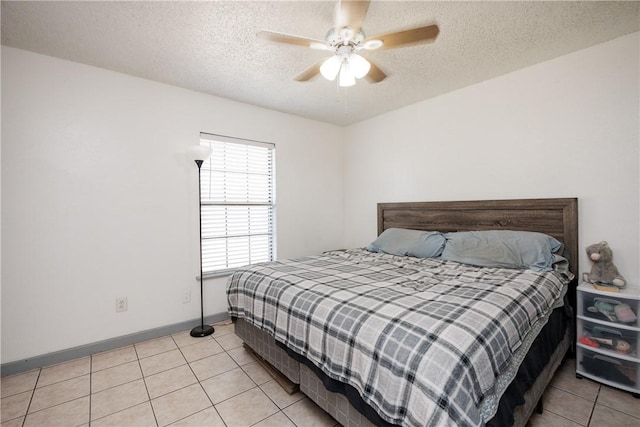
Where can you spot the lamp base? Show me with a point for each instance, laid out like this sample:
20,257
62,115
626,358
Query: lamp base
202,331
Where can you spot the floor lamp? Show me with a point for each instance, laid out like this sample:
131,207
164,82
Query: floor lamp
199,154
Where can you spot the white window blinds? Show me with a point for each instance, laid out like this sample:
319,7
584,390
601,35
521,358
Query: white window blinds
238,203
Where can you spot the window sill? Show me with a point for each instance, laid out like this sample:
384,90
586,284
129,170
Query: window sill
217,274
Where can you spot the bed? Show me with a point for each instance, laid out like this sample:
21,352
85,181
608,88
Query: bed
358,337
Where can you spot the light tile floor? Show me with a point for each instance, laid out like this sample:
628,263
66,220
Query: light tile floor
178,380
569,401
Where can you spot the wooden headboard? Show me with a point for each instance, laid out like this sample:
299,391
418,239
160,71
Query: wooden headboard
555,217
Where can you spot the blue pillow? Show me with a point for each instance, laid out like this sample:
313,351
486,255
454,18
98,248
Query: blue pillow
502,248
404,242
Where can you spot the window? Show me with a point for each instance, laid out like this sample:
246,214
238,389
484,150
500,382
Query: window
238,203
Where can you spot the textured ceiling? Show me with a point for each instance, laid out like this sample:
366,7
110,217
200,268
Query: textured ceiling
212,47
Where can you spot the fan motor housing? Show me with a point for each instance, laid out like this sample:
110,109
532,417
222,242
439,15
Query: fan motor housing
344,36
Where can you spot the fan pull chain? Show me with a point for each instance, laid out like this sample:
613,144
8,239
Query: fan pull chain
341,96
346,104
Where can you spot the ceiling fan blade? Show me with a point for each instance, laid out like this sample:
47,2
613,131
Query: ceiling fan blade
351,13
309,73
407,38
375,74
289,39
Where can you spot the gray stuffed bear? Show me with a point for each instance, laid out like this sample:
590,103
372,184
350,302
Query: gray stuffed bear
603,270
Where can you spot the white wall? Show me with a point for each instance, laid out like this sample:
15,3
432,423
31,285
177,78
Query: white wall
568,127
99,200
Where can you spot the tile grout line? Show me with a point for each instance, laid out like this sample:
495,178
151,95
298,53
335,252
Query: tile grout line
33,392
593,408
256,386
593,403
90,385
47,408
224,350
146,388
198,382
272,401
144,381
616,409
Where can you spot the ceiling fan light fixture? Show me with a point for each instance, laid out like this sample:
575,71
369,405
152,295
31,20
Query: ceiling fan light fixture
358,65
347,38
346,76
330,68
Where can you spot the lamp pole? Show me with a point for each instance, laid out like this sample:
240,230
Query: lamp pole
202,330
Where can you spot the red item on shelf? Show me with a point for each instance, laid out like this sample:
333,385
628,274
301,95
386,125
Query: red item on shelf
589,342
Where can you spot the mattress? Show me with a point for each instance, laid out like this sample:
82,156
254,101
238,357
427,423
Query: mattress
443,338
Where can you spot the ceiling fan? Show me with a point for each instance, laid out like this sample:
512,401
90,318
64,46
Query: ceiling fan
346,40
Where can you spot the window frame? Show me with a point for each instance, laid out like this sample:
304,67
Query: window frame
205,140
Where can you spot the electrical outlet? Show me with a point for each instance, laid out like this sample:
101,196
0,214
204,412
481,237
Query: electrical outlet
186,296
121,304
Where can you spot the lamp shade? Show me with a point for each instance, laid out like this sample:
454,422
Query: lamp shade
346,76
359,66
199,152
330,68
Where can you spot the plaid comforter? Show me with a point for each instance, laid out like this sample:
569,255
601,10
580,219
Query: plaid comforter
422,340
